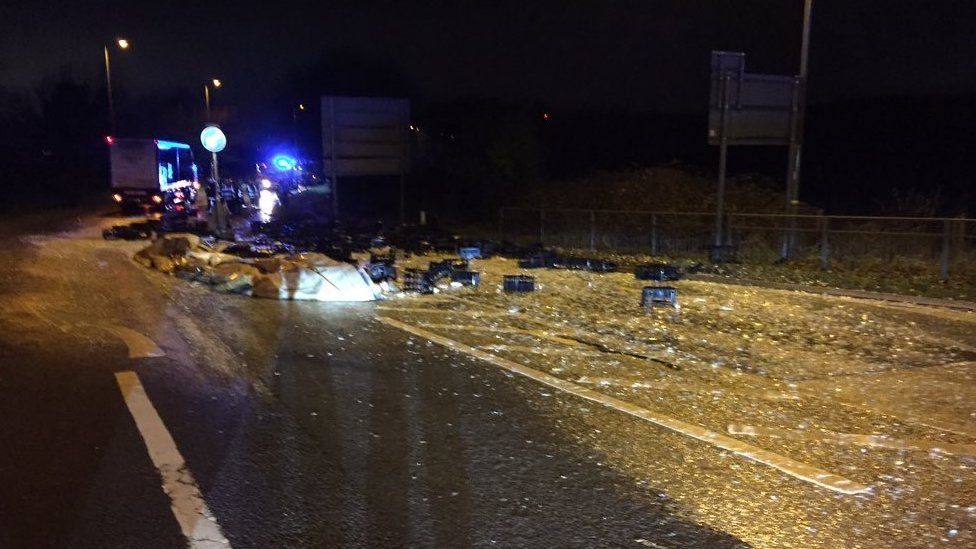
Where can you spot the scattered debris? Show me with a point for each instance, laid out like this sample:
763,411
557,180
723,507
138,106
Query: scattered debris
660,272
134,231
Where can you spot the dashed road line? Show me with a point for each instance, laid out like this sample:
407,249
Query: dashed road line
196,521
789,466
874,441
139,345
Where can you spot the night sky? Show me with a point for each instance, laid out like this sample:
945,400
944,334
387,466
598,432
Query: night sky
648,55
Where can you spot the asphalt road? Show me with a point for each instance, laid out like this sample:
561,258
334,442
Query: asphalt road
319,425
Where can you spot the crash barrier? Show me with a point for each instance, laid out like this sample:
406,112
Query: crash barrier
947,245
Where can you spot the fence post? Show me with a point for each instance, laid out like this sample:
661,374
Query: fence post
592,231
824,244
653,234
944,267
542,225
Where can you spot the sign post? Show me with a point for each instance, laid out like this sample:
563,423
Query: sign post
747,109
214,140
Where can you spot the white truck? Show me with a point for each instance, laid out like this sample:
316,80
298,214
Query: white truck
152,174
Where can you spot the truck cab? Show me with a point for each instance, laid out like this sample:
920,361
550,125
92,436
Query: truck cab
152,174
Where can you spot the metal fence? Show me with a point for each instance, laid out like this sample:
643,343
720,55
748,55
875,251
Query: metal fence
946,243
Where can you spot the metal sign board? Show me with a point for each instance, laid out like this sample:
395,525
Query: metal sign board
757,108
365,136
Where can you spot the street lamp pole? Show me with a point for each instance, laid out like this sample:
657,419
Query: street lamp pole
206,94
294,126
123,44
108,87
206,99
796,135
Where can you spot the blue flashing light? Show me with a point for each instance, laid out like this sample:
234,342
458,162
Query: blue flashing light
164,145
284,163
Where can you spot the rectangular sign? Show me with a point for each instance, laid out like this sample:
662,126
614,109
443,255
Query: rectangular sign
757,108
365,136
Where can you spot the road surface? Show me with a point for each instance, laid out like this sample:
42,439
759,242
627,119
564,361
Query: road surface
140,410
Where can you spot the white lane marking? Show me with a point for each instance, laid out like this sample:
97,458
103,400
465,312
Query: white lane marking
542,334
139,345
789,466
568,351
196,521
875,441
682,386
475,314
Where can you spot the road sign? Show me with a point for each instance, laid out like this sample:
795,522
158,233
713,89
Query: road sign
758,108
365,136
213,139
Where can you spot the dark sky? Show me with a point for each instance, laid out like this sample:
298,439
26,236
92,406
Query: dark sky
646,55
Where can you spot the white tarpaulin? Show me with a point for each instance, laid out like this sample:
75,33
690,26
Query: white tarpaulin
324,283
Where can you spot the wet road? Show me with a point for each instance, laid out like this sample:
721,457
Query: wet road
384,425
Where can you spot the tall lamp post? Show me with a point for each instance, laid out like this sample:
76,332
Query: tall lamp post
123,44
796,135
206,93
294,126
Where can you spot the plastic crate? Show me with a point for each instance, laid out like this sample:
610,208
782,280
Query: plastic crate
417,280
656,296
518,283
381,271
468,278
470,252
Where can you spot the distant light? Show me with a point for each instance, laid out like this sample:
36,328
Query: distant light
283,162
266,183
213,139
157,199
217,83
117,197
545,116
301,107
123,43
109,140
164,145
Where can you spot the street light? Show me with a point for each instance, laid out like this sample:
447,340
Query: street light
206,93
294,125
123,45
796,136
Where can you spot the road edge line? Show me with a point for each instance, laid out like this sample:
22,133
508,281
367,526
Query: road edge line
787,465
197,523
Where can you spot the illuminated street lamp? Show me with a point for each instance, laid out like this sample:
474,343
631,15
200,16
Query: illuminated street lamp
216,83
123,45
